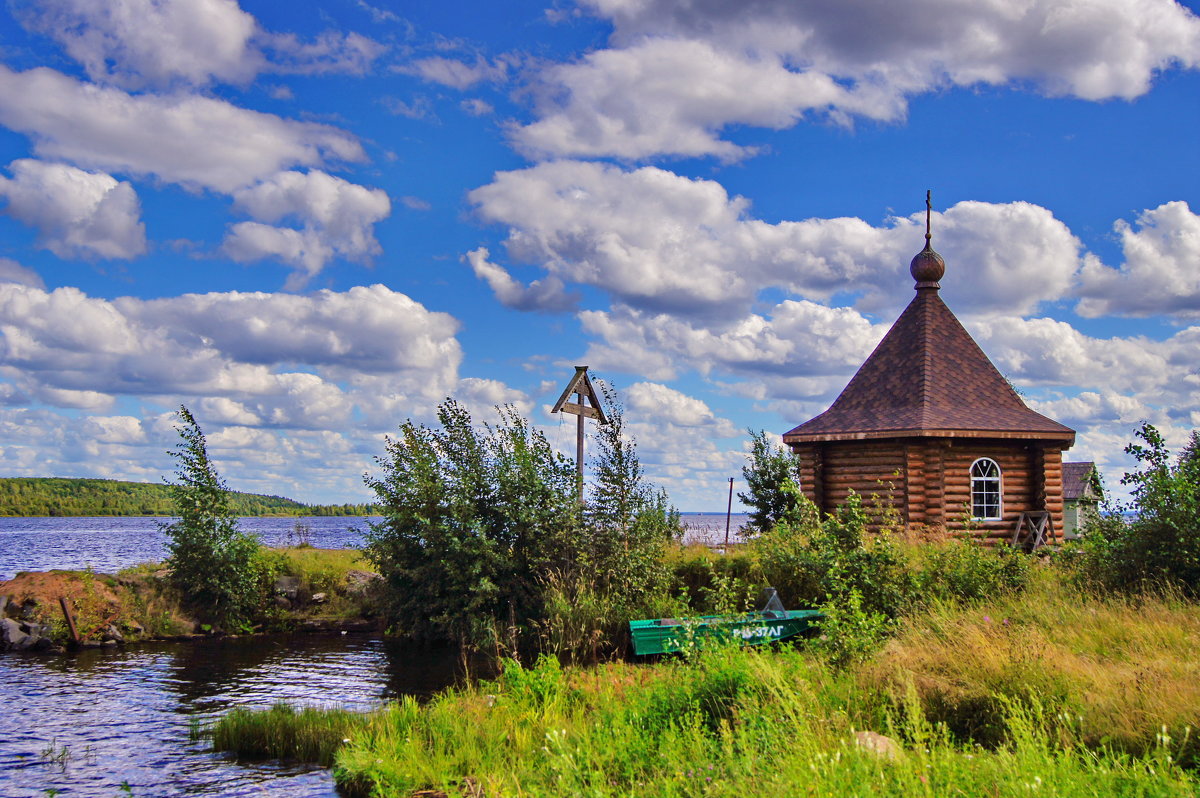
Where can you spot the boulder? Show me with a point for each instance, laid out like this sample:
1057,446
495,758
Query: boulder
3,604
319,598
36,629
358,582
287,586
45,645
11,636
880,745
29,609
111,632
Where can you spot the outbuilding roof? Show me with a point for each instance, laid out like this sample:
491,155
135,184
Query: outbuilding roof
928,378
1076,480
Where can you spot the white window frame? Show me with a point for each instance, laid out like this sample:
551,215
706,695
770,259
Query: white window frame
998,478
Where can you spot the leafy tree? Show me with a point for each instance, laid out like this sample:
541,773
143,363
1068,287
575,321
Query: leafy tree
1160,544
482,532
220,570
472,518
628,520
773,479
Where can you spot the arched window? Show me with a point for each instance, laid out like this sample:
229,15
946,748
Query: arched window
985,490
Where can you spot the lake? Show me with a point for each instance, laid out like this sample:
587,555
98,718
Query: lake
108,544
85,723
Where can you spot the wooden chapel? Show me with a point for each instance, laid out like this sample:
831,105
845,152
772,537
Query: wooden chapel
930,424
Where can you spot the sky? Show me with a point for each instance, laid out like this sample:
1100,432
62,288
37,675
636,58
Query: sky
309,222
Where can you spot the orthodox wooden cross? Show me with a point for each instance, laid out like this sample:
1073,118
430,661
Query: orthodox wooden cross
587,405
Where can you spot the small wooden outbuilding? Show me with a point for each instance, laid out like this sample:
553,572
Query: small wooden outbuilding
932,426
1081,496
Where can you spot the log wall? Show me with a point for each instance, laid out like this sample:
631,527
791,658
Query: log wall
928,480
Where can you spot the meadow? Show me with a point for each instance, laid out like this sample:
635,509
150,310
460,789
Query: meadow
1039,691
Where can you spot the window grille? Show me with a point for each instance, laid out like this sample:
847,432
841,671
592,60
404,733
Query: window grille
985,490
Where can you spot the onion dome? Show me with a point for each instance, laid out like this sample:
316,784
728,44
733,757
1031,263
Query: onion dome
927,266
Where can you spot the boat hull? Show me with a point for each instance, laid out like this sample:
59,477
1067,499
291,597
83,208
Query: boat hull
665,635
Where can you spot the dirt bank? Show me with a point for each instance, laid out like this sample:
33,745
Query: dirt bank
317,589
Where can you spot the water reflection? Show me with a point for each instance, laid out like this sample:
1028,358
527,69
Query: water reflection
86,723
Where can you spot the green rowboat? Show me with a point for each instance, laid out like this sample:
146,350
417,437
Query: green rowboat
664,635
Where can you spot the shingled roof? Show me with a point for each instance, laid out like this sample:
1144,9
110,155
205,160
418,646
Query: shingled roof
928,378
1076,479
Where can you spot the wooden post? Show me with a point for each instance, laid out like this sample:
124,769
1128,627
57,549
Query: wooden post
581,386
728,515
579,451
66,608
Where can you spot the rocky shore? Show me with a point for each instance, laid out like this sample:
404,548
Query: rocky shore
55,612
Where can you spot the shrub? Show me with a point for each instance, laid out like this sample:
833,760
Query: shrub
817,560
1160,544
221,572
627,521
483,541
965,569
471,520
850,633
711,583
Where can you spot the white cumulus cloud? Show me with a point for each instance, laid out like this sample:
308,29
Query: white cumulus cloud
189,139
160,43
79,214
665,243
547,294
13,272
1161,273
662,404
336,219
288,361
455,73
675,76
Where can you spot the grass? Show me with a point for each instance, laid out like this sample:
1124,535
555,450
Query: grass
327,571
320,570
1073,696
283,732
1119,670
142,604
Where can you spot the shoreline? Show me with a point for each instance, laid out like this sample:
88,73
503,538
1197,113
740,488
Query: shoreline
59,611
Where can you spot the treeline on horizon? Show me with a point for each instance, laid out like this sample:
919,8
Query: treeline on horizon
62,496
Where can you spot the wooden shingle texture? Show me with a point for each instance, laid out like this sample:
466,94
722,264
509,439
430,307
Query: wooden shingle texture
928,377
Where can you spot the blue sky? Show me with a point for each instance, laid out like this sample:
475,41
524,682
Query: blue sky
311,226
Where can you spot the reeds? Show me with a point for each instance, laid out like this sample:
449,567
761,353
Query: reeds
308,734
725,722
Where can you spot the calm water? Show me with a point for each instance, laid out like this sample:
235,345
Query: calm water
85,723
109,544
710,527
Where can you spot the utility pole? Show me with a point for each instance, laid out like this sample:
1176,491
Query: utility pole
728,515
587,405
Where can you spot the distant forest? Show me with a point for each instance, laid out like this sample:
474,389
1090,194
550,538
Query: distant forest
55,496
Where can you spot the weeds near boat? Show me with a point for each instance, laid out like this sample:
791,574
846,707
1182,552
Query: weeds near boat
785,721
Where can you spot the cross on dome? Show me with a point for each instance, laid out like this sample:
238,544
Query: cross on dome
927,266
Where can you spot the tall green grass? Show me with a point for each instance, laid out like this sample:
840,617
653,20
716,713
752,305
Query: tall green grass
1044,691
1114,670
726,722
309,734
